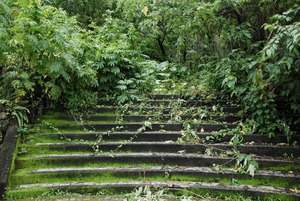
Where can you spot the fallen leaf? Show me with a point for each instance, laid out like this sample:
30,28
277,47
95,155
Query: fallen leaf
171,183
182,152
295,190
182,132
147,181
251,169
265,189
237,169
202,130
243,132
180,113
214,108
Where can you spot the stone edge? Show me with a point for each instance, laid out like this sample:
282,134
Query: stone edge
6,156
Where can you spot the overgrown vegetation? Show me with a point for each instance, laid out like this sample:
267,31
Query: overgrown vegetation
246,49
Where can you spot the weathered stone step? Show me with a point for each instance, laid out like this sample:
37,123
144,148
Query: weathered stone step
165,110
188,159
139,118
173,147
163,96
136,126
176,96
173,170
179,102
170,135
167,184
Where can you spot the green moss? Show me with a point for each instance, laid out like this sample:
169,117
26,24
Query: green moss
106,113
60,122
283,167
13,163
57,194
21,178
38,129
28,165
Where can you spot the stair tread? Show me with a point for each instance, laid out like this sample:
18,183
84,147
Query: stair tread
167,184
160,154
163,143
163,169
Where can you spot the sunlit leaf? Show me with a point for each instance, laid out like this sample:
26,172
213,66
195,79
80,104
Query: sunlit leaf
145,10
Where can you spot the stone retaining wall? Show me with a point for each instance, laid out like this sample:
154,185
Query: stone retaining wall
6,155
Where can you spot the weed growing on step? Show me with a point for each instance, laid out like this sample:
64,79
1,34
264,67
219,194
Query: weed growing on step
148,194
244,163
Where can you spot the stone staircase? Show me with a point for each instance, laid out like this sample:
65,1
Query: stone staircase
162,142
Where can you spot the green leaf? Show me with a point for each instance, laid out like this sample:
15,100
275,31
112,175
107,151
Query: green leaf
115,70
25,75
122,87
148,124
55,67
251,170
55,92
16,83
28,85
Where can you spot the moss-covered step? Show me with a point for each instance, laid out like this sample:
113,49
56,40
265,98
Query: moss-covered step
136,126
188,159
163,96
258,190
162,136
262,177
129,118
179,102
167,110
173,147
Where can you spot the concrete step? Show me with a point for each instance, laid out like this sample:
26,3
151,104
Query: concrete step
151,136
139,118
167,184
178,103
173,147
135,126
188,159
163,96
292,176
166,110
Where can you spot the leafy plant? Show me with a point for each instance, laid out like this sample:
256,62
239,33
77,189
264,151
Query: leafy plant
16,111
189,134
147,124
244,164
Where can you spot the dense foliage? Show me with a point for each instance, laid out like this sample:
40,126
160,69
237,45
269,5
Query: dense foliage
248,49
